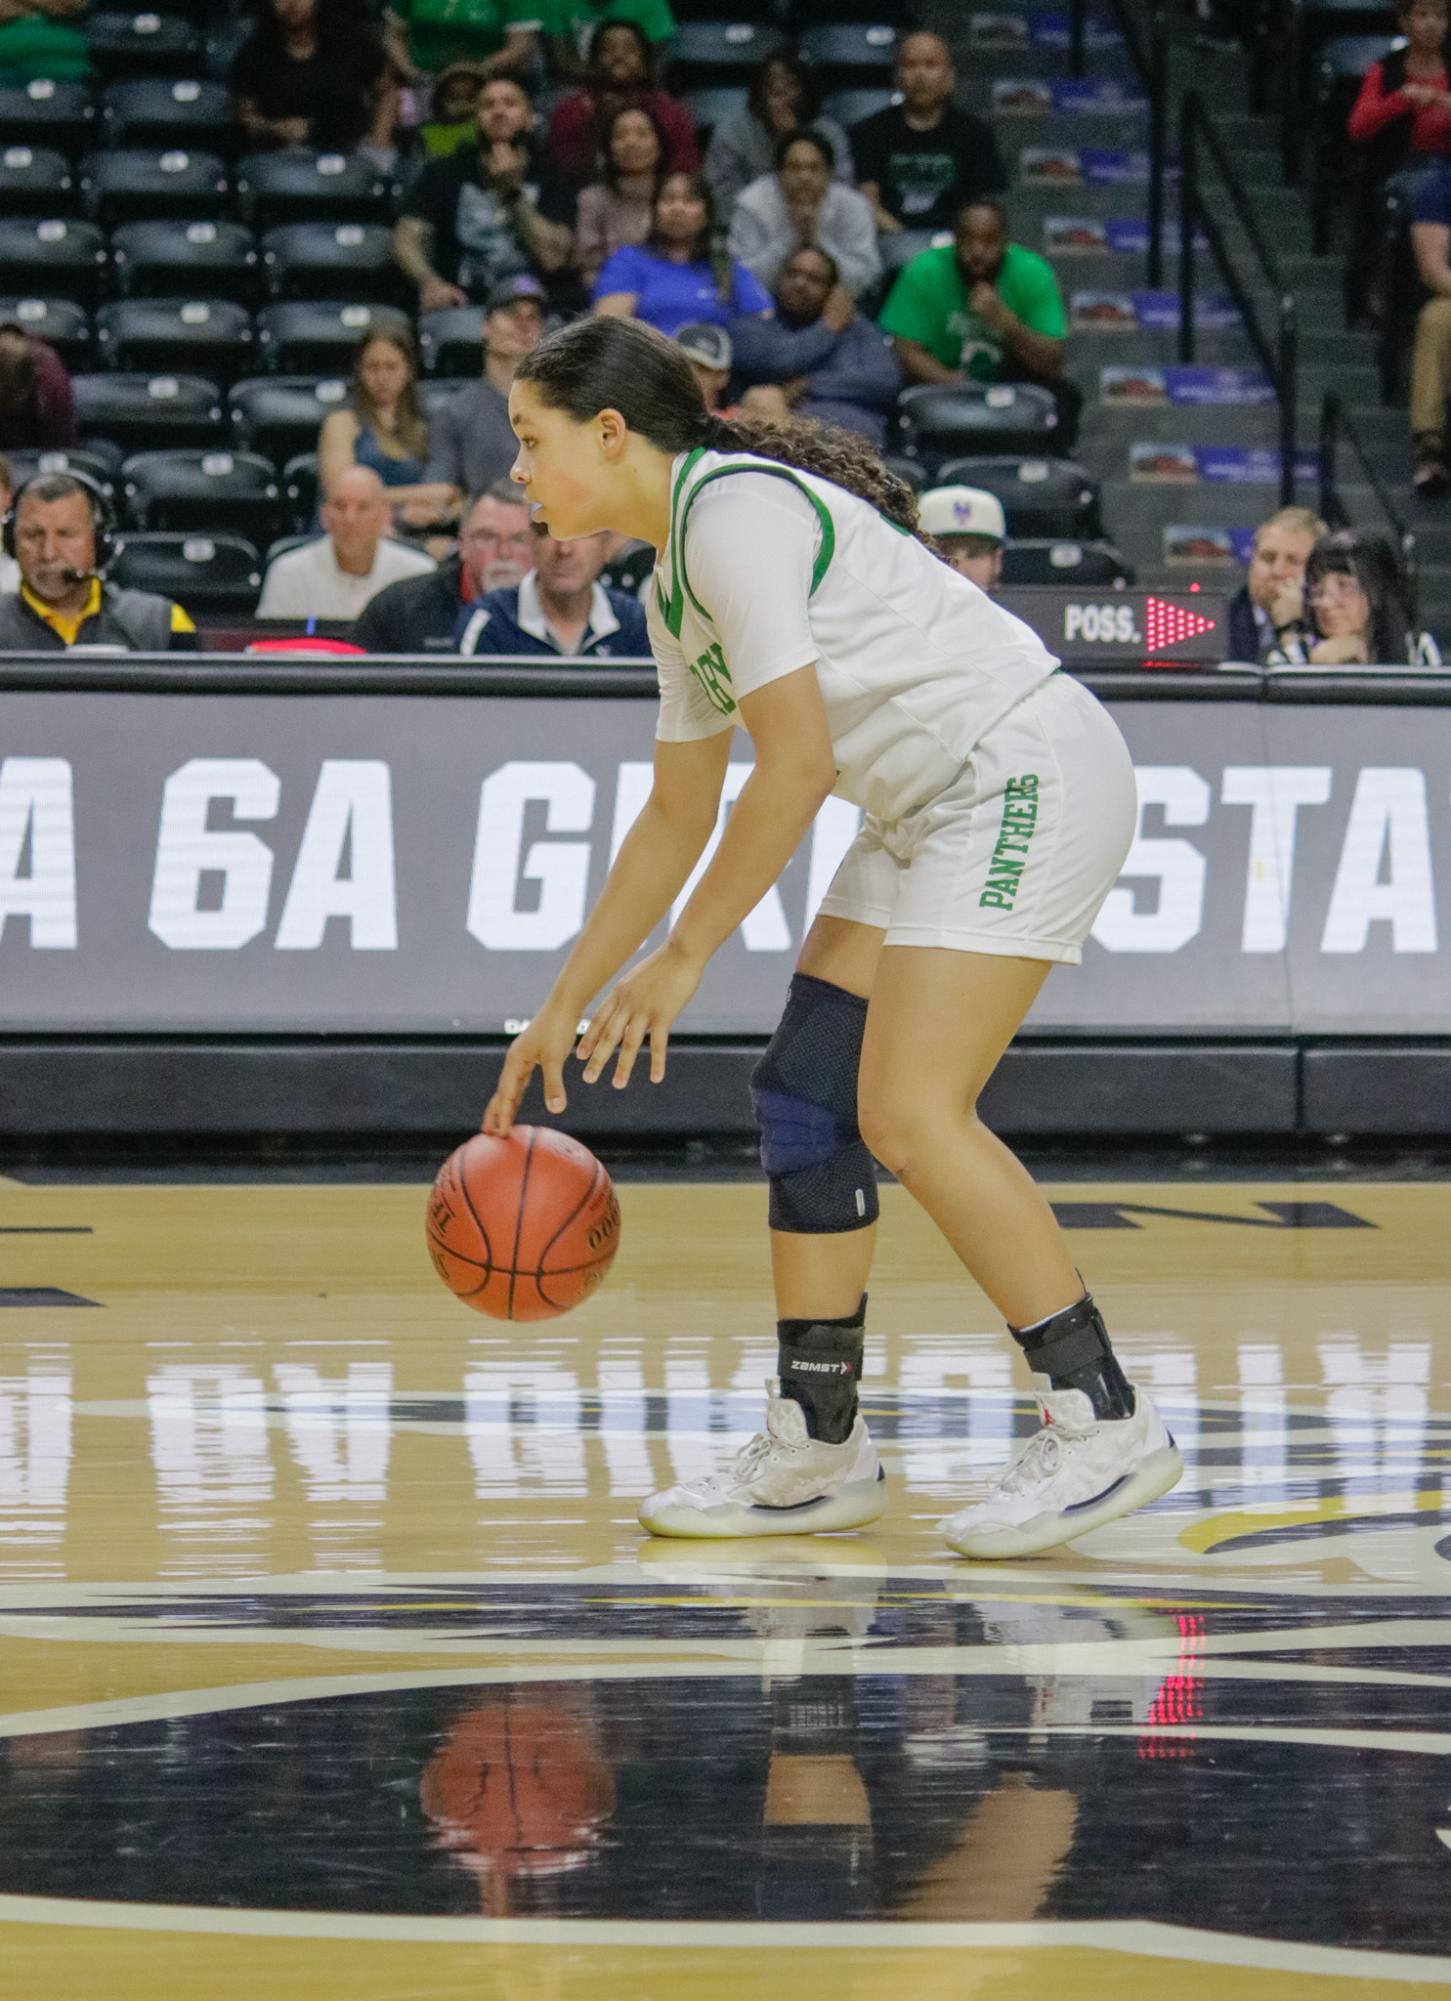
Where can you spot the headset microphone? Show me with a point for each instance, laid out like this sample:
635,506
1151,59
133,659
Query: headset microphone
77,576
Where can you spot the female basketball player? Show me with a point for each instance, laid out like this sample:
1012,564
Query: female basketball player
791,594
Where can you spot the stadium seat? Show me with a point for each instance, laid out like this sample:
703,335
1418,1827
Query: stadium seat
48,112
1039,496
280,416
138,411
298,338
331,260
1065,562
309,187
99,466
134,184
907,469
62,322
211,337
125,44
846,53
210,576
952,420
51,257
300,489
450,341
216,260
221,47
709,108
169,111
185,491
850,107
716,52
35,180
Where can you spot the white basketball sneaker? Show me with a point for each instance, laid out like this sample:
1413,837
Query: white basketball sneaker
783,1483
1074,1475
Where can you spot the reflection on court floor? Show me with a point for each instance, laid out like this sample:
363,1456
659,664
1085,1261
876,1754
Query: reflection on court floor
331,1654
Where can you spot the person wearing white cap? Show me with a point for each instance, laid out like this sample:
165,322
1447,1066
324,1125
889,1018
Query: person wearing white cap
970,528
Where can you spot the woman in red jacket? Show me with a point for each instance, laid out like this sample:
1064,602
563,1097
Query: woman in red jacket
1401,119
621,73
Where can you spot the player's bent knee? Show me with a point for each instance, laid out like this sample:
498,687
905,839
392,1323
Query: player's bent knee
804,1092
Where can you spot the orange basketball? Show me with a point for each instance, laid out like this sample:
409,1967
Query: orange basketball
522,1228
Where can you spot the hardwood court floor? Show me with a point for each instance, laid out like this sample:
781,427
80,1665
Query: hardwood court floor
333,1665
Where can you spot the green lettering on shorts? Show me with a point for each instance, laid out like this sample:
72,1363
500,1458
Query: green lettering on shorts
1010,856
714,677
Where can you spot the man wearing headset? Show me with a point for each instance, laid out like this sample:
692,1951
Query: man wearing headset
59,531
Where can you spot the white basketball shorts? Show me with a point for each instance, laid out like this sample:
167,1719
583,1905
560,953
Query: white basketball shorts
1018,853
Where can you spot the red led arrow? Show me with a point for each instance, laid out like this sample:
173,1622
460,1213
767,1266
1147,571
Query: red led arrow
1171,624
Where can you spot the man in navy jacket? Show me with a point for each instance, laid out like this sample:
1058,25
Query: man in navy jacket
560,609
818,357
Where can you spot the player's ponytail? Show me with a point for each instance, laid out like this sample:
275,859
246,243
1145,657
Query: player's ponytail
611,364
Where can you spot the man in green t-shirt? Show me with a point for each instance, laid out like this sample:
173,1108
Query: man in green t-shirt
501,36
981,309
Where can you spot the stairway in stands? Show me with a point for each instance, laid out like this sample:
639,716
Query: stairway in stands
1079,195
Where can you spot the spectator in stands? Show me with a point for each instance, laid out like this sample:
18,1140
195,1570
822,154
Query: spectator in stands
63,600
37,409
682,271
452,108
1361,607
784,96
573,24
39,38
1431,355
710,352
9,568
490,211
818,357
382,426
621,71
614,212
560,607
1402,116
1268,610
970,529
981,309
421,614
336,575
473,443
920,160
425,37
799,204
312,74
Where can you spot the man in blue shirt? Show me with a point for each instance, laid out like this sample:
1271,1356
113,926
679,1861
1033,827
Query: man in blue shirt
818,357
560,610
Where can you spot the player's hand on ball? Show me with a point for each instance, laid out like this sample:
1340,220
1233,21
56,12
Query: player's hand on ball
543,1046
642,1007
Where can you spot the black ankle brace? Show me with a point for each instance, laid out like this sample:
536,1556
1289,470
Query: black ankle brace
819,1363
1073,1351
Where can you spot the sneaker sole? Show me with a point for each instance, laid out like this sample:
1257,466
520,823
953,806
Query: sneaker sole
852,1506
1151,1478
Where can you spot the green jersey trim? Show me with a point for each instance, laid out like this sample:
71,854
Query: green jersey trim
673,608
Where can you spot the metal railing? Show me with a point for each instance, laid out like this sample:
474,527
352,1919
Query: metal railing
1278,356
1335,425
1149,55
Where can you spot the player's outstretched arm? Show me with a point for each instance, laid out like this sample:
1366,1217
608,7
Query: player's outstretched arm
652,867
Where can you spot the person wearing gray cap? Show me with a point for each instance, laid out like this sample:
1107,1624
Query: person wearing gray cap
709,351
970,528
471,442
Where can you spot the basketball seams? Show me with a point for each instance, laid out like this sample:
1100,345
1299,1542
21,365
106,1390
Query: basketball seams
579,1207
519,1219
462,1181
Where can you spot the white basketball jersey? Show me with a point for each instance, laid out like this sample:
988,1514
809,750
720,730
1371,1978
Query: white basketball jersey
768,569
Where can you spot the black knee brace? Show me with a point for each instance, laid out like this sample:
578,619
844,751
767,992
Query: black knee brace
805,1093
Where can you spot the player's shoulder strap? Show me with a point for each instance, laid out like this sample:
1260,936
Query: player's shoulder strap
684,496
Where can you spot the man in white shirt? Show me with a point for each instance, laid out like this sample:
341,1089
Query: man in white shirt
334,577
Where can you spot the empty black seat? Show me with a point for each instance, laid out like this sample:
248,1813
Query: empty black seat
300,486
221,47
139,411
48,112
981,417
844,53
1065,562
125,44
35,178
211,337
214,260
451,341
302,338
293,186
134,184
238,492
62,322
1039,496
210,576
712,52
163,112
280,416
52,257
331,260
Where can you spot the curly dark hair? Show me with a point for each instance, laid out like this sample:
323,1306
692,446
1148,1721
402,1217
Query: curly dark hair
609,364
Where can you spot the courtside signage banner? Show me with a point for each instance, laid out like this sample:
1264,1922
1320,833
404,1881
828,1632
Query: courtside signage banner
386,864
